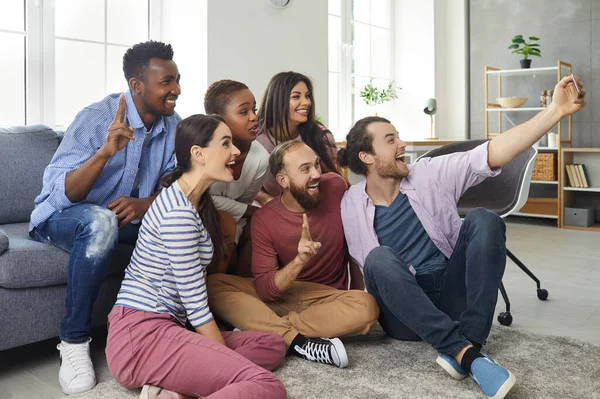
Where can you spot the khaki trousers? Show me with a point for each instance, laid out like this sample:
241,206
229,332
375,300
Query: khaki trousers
310,309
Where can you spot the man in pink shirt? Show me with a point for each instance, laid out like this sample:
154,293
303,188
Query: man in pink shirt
434,277
300,265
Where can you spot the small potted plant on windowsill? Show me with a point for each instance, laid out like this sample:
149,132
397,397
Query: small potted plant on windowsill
373,96
520,46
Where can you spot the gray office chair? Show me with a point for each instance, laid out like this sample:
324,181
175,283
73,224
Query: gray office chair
504,194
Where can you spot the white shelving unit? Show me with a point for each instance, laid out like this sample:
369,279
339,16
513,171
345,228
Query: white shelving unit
543,195
544,182
527,109
589,189
522,71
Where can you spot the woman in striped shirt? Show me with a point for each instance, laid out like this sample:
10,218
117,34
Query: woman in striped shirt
164,286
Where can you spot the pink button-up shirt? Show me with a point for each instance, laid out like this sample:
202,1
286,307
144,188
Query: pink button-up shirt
433,188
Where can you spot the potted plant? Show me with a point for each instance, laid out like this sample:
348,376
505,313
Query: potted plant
520,46
373,96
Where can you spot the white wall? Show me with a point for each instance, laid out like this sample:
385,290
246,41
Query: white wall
183,25
451,60
250,41
431,62
414,66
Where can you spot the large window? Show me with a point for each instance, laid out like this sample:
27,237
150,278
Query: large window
59,56
90,38
13,42
360,50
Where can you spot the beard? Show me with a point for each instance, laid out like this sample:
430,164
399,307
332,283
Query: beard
154,110
389,169
303,197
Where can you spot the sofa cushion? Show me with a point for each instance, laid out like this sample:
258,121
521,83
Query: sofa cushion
25,152
3,242
28,263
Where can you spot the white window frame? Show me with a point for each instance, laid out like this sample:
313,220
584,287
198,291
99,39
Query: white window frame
40,75
347,91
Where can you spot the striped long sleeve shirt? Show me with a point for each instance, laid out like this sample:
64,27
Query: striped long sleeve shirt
167,268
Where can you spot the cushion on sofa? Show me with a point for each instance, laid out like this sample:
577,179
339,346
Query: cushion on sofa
25,152
28,263
3,242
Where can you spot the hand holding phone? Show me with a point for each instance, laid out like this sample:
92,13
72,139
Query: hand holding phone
576,86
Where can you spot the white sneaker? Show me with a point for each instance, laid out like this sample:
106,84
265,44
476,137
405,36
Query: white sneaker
76,373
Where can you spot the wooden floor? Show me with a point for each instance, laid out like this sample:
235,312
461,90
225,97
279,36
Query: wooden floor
567,262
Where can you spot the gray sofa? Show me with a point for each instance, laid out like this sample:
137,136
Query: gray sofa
33,276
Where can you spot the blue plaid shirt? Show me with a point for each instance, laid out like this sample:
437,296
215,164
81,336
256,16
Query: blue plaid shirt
85,136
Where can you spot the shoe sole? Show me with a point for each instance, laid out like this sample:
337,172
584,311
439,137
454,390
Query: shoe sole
74,391
449,369
506,387
339,355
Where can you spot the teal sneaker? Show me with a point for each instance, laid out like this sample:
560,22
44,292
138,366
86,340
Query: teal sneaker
494,380
452,367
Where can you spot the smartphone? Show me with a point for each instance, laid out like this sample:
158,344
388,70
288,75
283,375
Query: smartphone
576,86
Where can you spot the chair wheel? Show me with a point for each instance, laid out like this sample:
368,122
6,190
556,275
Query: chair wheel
542,294
505,318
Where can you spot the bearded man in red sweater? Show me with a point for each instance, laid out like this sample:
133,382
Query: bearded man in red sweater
300,266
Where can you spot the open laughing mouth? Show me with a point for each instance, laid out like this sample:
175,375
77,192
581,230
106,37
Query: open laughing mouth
229,166
401,159
171,102
254,130
313,188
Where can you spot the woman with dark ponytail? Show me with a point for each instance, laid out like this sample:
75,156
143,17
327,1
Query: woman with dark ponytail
287,112
164,287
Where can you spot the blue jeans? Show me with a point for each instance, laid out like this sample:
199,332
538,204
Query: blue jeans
449,308
89,233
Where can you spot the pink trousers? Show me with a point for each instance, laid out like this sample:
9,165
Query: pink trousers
154,348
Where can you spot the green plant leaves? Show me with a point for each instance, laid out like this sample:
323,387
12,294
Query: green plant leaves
371,95
520,46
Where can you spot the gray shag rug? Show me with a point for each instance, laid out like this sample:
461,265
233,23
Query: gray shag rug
381,367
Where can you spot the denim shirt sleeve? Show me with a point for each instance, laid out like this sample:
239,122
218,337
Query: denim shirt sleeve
81,141
458,172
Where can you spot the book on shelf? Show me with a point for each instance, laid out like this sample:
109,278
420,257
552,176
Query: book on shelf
578,176
584,175
571,176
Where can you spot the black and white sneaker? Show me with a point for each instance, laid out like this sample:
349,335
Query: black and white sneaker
324,350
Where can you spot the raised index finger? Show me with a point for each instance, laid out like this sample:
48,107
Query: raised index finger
122,107
305,228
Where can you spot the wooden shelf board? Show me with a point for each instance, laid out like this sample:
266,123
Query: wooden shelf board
541,206
589,150
594,227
